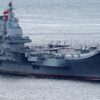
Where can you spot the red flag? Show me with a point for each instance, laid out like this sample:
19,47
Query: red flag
5,17
6,12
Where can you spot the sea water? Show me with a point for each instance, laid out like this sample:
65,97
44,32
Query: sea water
73,21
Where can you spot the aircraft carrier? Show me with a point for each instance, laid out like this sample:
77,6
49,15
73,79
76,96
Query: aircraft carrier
58,61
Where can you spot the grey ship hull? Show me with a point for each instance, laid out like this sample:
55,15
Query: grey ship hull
17,59
88,68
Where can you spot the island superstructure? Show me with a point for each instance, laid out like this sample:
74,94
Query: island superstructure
50,61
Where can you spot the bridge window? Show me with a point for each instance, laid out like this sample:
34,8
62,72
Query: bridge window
35,66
